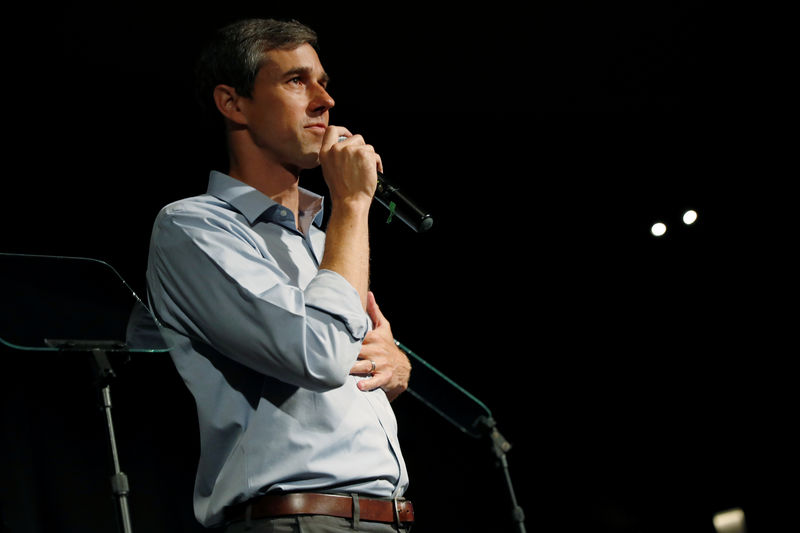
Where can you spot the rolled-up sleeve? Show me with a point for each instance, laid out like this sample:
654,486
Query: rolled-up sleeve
212,280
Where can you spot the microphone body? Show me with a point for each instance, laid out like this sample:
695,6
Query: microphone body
399,205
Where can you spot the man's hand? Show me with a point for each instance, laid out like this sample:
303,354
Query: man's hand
392,367
349,166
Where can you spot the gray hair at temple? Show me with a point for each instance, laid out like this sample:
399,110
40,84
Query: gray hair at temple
236,52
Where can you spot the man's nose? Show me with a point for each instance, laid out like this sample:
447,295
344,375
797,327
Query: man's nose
322,101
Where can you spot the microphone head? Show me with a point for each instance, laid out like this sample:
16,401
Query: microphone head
425,224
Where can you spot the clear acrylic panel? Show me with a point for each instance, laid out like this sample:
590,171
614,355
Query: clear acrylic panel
50,303
447,398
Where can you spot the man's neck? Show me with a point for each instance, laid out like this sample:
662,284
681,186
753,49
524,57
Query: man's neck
276,181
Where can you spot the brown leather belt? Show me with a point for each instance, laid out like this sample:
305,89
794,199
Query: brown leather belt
313,503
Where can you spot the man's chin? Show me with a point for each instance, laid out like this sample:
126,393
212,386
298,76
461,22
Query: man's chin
305,164
313,161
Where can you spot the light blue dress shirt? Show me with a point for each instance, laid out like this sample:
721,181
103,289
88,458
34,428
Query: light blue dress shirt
265,340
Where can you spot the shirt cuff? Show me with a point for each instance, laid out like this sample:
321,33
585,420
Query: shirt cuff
330,293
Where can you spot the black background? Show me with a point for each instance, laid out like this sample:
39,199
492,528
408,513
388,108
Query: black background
643,383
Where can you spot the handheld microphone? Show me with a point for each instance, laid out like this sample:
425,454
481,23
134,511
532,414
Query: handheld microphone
400,205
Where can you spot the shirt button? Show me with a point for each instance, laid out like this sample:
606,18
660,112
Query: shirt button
283,213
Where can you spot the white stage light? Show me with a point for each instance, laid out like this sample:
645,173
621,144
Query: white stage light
731,521
658,229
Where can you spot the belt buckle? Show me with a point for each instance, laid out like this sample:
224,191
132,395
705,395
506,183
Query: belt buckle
401,523
396,513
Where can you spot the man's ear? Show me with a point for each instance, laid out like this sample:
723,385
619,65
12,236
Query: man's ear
227,101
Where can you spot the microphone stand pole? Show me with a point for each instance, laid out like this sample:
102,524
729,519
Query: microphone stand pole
104,375
119,481
500,446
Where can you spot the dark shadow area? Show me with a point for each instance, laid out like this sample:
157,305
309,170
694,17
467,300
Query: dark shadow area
641,381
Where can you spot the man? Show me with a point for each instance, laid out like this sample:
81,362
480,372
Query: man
291,362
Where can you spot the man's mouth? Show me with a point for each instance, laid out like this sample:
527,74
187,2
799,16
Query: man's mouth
317,128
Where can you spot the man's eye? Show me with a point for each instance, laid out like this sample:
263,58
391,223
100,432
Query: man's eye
296,80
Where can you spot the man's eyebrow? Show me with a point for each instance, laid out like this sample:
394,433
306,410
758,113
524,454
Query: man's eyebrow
306,71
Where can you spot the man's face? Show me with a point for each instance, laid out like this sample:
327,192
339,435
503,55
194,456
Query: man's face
288,112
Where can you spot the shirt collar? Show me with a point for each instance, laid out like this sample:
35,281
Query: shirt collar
254,205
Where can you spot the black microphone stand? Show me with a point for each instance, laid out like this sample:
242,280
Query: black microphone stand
500,446
104,374
119,481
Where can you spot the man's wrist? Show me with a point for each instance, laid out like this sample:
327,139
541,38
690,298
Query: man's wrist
353,207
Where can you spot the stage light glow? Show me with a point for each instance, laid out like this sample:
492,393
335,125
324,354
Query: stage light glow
689,217
658,229
731,521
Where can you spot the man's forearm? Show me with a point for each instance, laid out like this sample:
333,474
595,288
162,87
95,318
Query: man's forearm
347,246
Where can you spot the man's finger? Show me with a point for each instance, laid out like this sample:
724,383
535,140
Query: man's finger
332,134
363,366
376,381
373,310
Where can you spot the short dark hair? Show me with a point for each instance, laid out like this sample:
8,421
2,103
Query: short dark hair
235,53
